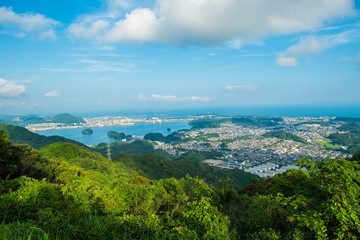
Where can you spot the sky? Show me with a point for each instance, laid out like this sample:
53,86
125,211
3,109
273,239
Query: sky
111,55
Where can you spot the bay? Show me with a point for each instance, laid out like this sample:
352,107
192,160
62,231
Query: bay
100,133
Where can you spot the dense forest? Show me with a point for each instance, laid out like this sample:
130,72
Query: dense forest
350,135
20,135
116,135
284,135
66,191
249,121
64,118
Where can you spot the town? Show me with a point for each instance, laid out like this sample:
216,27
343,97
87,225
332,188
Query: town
250,147
246,147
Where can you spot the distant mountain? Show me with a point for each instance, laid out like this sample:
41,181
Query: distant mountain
20,135
64,118
67,118
347,119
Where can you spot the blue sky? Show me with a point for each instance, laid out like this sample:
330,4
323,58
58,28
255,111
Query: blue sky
115,55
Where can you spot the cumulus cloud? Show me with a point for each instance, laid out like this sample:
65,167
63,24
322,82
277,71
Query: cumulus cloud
52,93
9,89
248,88
314,44
157,97
284,61
24,24
173,98
200,99
208,21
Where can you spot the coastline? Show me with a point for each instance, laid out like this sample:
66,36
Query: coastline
104,122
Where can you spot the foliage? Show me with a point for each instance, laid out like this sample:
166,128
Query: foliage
65,191
284,135
350,136
206,123
87,131
351,127
136,148
355,148
66,118
79,204
322,203
116,135
347,119
328,145
312,123
20,135
154,137
201,155
155,167
256,121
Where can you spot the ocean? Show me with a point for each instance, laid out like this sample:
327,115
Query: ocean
100,133
258,110
140,129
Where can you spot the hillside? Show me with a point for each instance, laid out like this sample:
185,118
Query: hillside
284,135
350,136
135,148
64,118
20,135
65,191
155,167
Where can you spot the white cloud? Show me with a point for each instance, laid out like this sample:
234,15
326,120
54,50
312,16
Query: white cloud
248,88
208,21
91,65
27,23
172,98
9,89
284,61
52,93
200,99
314,44
157,97
141,98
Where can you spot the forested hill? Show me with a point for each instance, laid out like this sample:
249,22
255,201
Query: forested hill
65,191
284,135
349,135
64,118
20,135
155,167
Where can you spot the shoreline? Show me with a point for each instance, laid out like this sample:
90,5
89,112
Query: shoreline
104,122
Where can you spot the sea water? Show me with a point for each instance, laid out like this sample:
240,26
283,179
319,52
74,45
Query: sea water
100,133
140,129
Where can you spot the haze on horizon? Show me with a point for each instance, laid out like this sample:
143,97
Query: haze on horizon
108,55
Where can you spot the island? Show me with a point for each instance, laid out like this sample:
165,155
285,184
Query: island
87,131
116,135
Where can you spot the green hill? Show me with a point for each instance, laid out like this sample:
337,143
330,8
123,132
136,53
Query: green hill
66,118
20,135
284,135
135,148
65,191
256,121
350,136
155,167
